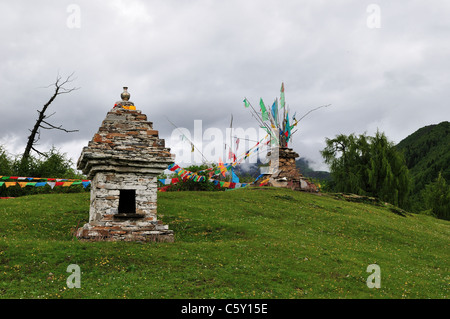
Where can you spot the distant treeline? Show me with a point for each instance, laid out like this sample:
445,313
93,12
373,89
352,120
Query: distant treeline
412,175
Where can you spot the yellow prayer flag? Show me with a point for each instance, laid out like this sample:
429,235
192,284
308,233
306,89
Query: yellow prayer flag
7,184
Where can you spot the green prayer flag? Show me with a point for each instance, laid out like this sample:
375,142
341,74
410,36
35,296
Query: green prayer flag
246,104
265,115
282,102
288,128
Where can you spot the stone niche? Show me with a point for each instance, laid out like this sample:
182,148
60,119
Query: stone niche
286,174
123,160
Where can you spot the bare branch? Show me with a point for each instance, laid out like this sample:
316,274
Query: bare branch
57,127
40,153
48,116
64,90
60,88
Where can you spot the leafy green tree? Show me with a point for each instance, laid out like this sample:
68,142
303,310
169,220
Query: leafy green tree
5,163
54,163
436,196
366,165
388,176
50,164
347,158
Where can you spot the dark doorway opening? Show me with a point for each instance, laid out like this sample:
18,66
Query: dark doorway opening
127,202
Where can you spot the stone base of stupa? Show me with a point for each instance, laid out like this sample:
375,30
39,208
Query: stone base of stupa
144,231
288,175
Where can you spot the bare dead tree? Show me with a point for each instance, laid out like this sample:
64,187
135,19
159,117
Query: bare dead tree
41,122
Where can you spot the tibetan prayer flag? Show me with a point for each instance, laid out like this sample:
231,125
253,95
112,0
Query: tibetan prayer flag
259,177
40,184
86,184
275,111
234,177
246,104
230,154
163,181
1,184
282,101
8,184
163,189
22,184
288,128
265,115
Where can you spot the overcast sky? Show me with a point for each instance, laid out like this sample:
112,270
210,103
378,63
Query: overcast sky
380,64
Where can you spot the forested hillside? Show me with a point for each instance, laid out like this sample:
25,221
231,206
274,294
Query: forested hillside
303,164
427,152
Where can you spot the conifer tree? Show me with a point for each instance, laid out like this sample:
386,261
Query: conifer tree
367,165
436,196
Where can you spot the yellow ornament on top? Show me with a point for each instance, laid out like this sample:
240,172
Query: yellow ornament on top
125,103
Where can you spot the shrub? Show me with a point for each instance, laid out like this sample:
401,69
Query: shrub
52,164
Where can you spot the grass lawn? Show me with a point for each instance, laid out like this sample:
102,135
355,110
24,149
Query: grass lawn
246,243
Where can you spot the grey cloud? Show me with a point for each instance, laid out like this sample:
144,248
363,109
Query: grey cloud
188,60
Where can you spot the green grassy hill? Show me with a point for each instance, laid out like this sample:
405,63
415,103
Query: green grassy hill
247,243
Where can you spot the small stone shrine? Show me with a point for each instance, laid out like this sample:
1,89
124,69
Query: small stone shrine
286,174
123,160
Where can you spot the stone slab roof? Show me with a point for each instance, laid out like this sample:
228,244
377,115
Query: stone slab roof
125,142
